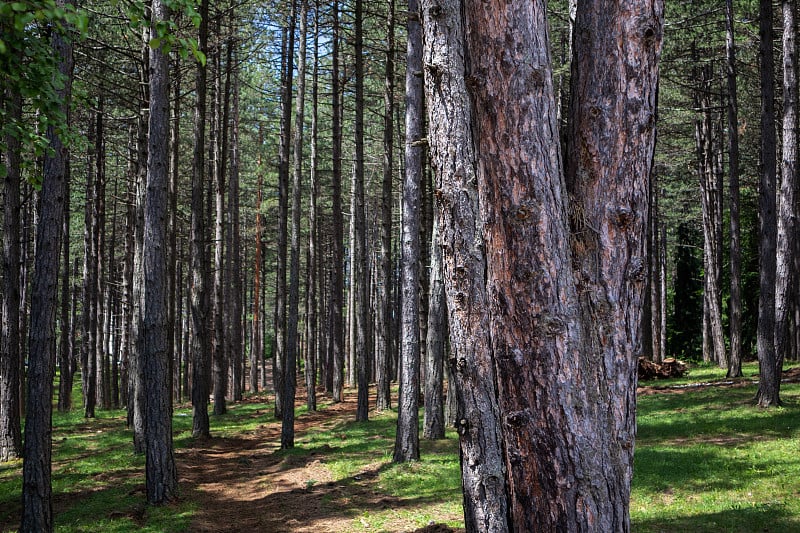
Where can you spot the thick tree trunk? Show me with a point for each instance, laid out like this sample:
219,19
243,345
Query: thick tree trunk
201,349
10,378
89,349
769,380
785,276
735,306
37,505
173,265
550,287
471,365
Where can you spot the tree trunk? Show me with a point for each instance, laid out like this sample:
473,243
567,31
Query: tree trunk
337,250
785,276
406,446
89,350
313,231
201,349
292,340
64,353
384,337
711,201
257,347
769,380
436,344
219,355
235,296
554,276
10,377
173,266
161,478
735,306
360,269
472,368
287,73
37,505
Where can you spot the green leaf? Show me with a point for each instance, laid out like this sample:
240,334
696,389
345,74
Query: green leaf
200,57
155,42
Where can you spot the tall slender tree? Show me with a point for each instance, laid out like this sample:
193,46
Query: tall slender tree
769,381
735,305
10,408
201,350
37,505
161,478
406,446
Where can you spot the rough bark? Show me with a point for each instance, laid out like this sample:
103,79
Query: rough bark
785,276
454,161
37,505
201,350
257,347
768,385
287,73
10,434
435,344
312,279
292,340
337,250
235,296
161,478
406,446
361,302
735,305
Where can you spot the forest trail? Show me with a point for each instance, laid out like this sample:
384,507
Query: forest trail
245,484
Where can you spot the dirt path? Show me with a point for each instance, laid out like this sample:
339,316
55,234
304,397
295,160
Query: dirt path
243,484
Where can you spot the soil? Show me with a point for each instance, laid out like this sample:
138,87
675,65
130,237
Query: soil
241,485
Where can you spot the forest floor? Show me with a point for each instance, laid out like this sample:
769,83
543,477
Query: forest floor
242,483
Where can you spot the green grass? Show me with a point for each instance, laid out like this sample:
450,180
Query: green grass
706,460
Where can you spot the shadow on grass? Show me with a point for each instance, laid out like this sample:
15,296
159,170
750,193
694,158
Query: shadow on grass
768,518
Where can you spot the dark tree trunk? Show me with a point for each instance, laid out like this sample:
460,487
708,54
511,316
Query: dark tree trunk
384,329
37,505
201,349
64,353
312,331
436,344
472,369
161,479
257,346
292,337
361,307
785,275
279,357
735,306
769,380
10,378
173,265
220,148
337,250
89,350
234,299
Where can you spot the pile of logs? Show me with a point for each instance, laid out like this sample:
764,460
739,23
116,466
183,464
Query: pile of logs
668,368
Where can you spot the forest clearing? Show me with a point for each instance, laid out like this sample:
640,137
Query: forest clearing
706,461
